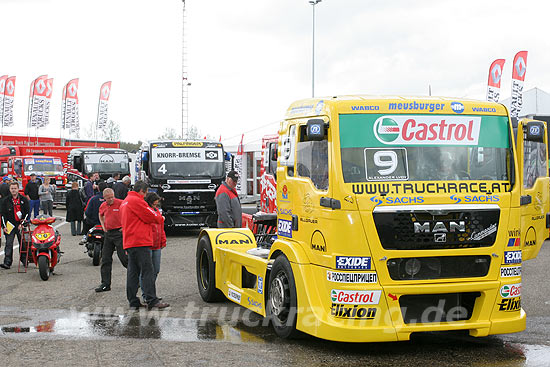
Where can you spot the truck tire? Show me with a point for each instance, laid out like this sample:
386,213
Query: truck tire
44,267
206,272
281,305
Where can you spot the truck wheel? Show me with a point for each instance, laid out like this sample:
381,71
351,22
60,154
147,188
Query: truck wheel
281,301
44,267
206,272
97,254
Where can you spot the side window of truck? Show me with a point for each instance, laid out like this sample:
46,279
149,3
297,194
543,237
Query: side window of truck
312,160
272,158
534,162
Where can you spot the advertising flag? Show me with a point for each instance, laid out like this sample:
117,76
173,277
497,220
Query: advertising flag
493,84
519,68
239,166
38,101
9,94
2,86
48,96
72,121
63,106
103,107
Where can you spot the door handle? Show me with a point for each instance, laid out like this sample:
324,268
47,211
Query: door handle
525,200
330,203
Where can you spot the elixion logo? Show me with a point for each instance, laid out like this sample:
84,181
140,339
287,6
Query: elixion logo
427,130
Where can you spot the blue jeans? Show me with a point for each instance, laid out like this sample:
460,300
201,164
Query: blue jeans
35,207
155,257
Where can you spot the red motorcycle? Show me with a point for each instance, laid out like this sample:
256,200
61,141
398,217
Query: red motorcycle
45,245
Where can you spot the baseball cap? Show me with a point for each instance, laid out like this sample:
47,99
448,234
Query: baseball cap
234,175
6,178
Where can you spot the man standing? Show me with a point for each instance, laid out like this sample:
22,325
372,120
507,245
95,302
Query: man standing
14,209
92,211
31,191
137,218
121,188
228,204
90,186
112,180
109,216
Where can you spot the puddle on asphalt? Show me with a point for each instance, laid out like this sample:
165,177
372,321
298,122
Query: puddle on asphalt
75,325
140,326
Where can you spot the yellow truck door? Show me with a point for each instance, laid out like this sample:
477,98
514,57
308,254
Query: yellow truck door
533,174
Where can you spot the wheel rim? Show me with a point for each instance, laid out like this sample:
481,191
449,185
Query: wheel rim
204,269
279,297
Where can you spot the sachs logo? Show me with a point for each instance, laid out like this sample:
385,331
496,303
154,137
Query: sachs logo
427,130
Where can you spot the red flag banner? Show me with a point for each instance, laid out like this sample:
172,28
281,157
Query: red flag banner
493,84
47,98
519,69
63,106
9,95
2,87
103,107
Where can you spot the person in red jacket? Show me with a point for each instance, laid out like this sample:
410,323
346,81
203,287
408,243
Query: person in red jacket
137,240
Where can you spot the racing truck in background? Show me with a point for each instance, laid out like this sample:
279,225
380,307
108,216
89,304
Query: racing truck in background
186,174
105,161
21,168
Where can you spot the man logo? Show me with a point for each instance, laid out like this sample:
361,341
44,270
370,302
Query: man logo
233,238
534,130
386,130
211,155
531,237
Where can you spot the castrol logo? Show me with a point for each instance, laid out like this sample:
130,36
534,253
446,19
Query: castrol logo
510,290
427,130
355,297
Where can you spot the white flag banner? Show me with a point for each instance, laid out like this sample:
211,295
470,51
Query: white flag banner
63,107
7,109
38,99
2,86
72,121
493,84
48,96
103,107
519,69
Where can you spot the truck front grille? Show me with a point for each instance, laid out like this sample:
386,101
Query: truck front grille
430,308
426,229
440,267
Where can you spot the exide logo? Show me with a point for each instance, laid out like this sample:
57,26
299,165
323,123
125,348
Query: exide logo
427,130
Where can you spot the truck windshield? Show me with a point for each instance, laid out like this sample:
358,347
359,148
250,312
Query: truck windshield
424,147
106,162
43,166
169,162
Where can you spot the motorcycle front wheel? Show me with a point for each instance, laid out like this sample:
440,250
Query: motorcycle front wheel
44,267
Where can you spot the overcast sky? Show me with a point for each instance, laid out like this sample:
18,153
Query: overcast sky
249,59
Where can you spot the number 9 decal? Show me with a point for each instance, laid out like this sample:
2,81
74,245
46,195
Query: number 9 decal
386,158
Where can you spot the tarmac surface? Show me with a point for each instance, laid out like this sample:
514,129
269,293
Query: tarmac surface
63,321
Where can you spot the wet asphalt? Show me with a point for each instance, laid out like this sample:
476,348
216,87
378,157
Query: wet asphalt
63,321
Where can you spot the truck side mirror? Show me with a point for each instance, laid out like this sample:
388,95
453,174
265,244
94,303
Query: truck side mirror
145,161
77,163
9,164
315,130
535,131
4,168
273,152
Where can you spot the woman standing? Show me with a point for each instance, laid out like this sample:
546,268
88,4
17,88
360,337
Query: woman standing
46,192
75,209
159,237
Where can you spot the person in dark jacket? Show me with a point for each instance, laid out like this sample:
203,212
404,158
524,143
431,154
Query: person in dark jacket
31,191
92,211
228,204
5,186
121,188
14,209
91,187
75,209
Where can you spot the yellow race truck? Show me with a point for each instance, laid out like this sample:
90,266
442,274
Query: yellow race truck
394,215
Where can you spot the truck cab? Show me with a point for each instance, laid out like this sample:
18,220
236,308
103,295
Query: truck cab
394,215
186,174
105,161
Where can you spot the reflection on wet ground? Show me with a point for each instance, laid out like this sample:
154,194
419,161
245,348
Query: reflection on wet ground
446,348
